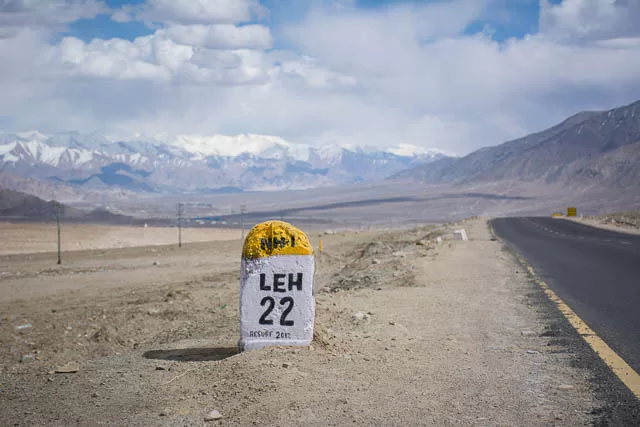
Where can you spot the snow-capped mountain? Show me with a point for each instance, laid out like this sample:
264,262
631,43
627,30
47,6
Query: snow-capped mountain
185,163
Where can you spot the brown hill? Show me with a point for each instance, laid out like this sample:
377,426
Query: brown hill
589,148
20,206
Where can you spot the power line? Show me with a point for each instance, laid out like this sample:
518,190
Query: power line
243,210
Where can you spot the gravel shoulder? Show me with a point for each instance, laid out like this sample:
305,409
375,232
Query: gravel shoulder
408,332
622,222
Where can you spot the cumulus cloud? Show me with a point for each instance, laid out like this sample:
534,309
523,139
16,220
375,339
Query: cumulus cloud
200,11
16,15
155,58
585,20
404,73
222,36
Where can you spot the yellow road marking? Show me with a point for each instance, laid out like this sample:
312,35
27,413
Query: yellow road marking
617,364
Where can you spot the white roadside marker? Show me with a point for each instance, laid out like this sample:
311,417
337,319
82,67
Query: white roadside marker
277,305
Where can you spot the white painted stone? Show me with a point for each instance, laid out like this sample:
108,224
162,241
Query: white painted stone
258,291
460,234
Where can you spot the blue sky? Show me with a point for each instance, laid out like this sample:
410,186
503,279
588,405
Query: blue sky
504,18
450,74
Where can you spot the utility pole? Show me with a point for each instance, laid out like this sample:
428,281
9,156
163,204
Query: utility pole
57,209
180,212
243,210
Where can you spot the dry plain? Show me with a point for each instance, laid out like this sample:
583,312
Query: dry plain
408,332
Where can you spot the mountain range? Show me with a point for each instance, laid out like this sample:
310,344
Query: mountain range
588,149
188,163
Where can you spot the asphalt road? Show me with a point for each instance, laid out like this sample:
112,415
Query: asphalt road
596,272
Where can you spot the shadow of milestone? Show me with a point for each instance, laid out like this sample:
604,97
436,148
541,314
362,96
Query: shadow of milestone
192,354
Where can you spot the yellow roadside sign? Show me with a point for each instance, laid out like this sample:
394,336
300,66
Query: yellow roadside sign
572,211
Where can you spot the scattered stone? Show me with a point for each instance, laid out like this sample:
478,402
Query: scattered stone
438,239
156,263
27,358
460,234
422,242
213,415
285,365
375,261
160,368
164,413
378,289
360,317
392,323
528,333
565,387
95,394
399,254
69,368
532,352
24,326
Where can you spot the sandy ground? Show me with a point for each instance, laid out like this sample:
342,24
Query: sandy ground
406,334
31,238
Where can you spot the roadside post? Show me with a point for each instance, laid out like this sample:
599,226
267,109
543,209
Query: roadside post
277,305
58,210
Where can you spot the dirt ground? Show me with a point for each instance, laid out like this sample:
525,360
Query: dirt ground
27,238
408,332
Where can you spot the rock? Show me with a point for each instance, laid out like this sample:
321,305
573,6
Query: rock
438,239
285,365
565,387
392,323
24,326
360,317
95,394
422,242
69,368
156,263
26,358
160,368
532,352
460,234
213,415
375,261
528,333
399,254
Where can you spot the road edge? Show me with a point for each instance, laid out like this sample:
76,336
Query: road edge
618,366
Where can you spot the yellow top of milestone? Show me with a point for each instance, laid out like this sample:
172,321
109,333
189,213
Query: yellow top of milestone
275,238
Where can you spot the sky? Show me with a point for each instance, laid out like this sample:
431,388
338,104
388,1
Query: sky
455,75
